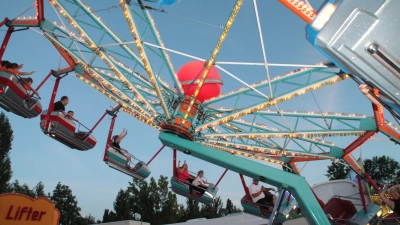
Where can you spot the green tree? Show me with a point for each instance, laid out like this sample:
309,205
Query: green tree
192,209
210,211
6,138
121,206
338,170
67,204
231,208
383,170
109,216
182,214
140,201
170,211
22,189
153,201
88,220
39,190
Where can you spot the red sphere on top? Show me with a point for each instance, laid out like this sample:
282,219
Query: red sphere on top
190,74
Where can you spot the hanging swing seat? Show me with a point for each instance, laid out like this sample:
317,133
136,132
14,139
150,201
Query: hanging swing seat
257,209
62,129
186,189
18,97
390,219
340,210
133,167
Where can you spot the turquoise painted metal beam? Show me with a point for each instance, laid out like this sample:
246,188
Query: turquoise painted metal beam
313,85
283,134
264,83
295,184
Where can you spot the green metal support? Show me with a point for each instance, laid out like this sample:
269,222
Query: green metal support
294,183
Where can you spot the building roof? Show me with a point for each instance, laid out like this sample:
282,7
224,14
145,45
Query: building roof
235,218
125,222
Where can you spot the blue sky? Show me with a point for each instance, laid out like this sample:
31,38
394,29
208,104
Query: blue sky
35,157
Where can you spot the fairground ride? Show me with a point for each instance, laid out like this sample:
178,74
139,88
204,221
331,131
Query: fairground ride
242,130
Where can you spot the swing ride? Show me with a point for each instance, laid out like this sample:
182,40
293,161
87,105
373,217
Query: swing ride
123,161
234,130
16,98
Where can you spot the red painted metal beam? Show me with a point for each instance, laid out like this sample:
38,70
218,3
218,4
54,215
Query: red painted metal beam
39,10
44,80
67,58
372,182
174,162
294,167
246,189
5,42
6,20
110,132
154,156
353,164
28,23
300,159
220,178
359,141
390,132
98,122
321,203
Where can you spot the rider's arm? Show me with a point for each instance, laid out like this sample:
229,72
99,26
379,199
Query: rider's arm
25,73
255,194
120,136
386,200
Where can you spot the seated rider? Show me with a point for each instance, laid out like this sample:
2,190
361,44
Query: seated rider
258,196
60,105
394,201
116,140
26,83
198,182
4,64
70,116
183,172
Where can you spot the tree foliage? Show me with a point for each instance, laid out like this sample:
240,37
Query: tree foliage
231,208
153,201
6,138
211,210
22,189
192,209
338,170
109,216
121,206
39,190
67,204
383,170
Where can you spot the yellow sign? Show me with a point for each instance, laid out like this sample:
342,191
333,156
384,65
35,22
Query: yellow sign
18,209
